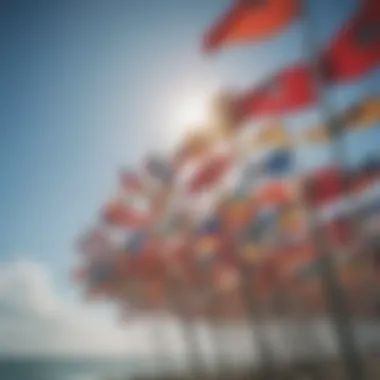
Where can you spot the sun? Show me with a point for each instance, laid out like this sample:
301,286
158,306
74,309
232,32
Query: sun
193,111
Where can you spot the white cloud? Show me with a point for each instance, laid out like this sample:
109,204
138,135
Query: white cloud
34,320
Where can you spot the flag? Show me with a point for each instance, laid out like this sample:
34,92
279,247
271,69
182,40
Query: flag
159,168
275,193
93,242
292,224
290,90
252,252
325,185
288,259
195,144
237,212
338,232
367,173
226,118
135,243
273,135
210,173
131,182
250,20
356,117
316,135
121,215
363,115
278,163
356,48
210,225
226,277
207,248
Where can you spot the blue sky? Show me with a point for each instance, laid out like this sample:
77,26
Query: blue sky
89,86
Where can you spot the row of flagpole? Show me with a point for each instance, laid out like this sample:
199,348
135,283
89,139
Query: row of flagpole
177,292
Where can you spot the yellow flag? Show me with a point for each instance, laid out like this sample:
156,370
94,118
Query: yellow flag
363,115
273,135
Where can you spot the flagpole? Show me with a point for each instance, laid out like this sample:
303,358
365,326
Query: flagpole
193,353
250,302
333,292
217,339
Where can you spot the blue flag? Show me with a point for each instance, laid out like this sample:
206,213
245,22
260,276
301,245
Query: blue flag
278,163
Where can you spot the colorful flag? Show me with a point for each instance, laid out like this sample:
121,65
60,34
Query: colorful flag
210,225
363,115
250,20
359,116
366,174
210,173
120,214
288,259
278,163
316,135
131,182
252,252
226,277
356,48
338,232
195,144
237,212
275,193
325,185
93,242
207,248
224,110
159,168
273,135
291,90
292,225
135,243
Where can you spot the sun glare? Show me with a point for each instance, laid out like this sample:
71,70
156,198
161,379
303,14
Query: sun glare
193,111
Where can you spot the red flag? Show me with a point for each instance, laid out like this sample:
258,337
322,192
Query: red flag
275,193
131,182
251,20
356,49
288,91
325,186
210,173
121,215
338,232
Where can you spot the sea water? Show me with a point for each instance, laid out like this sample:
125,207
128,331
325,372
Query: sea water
69,369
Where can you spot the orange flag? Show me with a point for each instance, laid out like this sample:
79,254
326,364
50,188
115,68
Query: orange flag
250,20
363,115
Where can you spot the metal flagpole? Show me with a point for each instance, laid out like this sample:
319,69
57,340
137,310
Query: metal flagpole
334,294
178,295
250,302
